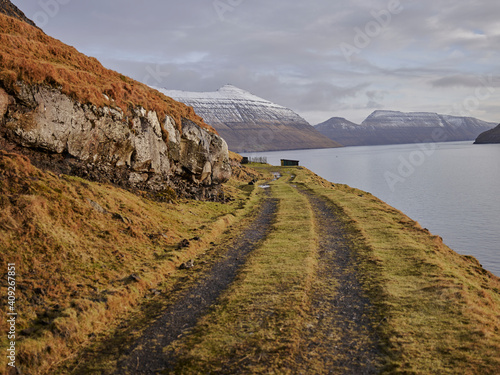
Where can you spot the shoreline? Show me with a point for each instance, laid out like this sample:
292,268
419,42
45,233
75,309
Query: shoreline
467,226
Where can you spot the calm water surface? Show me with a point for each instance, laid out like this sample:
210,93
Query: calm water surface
450,188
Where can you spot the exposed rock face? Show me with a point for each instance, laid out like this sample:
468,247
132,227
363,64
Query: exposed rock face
68,113
391,127
104,144
9,9
490,136
4,102
249,123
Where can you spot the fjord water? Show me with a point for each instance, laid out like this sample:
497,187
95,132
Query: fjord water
450,188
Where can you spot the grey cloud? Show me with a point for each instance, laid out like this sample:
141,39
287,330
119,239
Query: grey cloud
473,81
374,105
288,51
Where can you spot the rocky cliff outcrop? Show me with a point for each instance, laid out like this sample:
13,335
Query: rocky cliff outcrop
71,115
392,127
249,123
489,136
9,9
102,143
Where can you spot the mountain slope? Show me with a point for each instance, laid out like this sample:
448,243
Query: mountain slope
9,9
249,123
489,136
350,133
27,54
392,127
68,113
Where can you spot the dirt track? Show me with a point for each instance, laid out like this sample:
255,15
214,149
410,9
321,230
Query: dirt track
147,354
342,336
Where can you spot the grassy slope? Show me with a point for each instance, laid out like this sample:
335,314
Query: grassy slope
74,262
439,311
29,55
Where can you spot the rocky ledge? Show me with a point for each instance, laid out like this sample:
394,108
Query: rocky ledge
137,151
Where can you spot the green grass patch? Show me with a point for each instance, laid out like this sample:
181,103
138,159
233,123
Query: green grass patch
257,325
440,311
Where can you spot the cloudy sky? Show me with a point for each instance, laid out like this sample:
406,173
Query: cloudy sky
321,58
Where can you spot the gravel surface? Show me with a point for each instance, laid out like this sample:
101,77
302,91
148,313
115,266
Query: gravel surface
341,333
147,355
339,339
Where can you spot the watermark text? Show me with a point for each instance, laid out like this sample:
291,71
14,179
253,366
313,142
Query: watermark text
49,10
223,7
11,314
375,27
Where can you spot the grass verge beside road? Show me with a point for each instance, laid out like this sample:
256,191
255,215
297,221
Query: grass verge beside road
439,311
86,253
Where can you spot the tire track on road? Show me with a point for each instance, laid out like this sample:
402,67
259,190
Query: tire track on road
147,355
341,333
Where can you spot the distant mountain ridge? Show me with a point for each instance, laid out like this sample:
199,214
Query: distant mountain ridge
393,127
250,123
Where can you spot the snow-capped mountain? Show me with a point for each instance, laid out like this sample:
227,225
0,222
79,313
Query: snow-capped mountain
250,123
392,127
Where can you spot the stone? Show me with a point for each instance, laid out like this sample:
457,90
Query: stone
184,243
4,103
206,173
140,151
6,7
187,265
96,206
122,218
133,277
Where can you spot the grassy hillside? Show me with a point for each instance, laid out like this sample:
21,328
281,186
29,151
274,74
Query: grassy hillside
87,252
437,312
29,55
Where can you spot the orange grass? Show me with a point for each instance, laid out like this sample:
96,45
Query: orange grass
27,54
74,263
